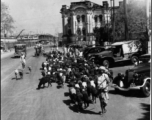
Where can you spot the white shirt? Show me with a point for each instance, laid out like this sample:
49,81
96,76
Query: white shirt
92,83
72,90
102,80
81,54
77,86
84,84
22,58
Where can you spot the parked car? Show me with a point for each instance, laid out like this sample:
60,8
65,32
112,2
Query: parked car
20,48
85,51
137,78
90,51
119,52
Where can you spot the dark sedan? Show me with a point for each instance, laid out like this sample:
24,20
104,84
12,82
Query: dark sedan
136,78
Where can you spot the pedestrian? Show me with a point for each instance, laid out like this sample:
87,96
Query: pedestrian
22,59
20,73
102,82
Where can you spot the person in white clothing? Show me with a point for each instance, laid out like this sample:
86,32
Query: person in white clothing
102,85
22,59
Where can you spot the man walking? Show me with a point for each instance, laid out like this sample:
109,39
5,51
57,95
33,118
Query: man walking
102,85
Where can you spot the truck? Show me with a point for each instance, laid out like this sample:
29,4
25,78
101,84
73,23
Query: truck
119,52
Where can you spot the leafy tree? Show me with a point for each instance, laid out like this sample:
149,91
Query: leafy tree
6,20
136,16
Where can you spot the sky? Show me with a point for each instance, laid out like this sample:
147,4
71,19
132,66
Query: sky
40,16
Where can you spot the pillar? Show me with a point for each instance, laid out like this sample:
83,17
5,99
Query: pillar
63,23
73,23
87,22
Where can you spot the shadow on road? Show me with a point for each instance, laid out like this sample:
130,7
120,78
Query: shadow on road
132,93
16,79
15,57
59,86
146,114
121,64
74,108
66,94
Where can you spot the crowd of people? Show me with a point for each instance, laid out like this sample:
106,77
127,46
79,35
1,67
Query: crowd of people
86,80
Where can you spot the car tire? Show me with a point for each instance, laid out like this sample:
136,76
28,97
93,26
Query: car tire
134,59
146,89
106,63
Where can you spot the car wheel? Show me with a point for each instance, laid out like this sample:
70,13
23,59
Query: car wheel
106,63
134,59
146,89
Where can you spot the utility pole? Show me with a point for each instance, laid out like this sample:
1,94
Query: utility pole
126,21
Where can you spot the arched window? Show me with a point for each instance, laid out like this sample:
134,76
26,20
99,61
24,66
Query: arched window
96,18
79,31
69,32
84,31
100,18
69,20
83,18
78,18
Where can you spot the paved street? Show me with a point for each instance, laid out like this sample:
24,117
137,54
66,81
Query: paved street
21,101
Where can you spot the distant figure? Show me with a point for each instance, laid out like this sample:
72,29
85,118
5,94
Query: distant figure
22,59
16,73
30,69
19,72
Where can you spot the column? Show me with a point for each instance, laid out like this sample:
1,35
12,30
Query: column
74,24
63,23
87,22
73,19
91,22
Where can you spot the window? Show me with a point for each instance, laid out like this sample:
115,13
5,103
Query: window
100,18
79,31
96,18
84,31
78,18
83,18
69,20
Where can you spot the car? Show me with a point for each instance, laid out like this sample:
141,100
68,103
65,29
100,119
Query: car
136,78
119,52
20,48
90,51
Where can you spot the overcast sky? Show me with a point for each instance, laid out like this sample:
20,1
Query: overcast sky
40,16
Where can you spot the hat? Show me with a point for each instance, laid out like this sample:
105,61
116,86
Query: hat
102,68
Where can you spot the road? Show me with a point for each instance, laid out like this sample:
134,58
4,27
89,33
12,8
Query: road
21,101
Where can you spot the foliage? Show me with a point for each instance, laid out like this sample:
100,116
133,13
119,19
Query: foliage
136,17
6,20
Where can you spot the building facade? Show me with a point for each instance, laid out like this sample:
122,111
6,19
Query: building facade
81,20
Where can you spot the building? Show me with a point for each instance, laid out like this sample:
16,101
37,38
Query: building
36,37
81,21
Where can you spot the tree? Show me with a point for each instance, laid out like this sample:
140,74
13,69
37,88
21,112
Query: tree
6,20
136,16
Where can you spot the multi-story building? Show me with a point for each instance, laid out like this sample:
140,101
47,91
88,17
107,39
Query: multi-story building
82,19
